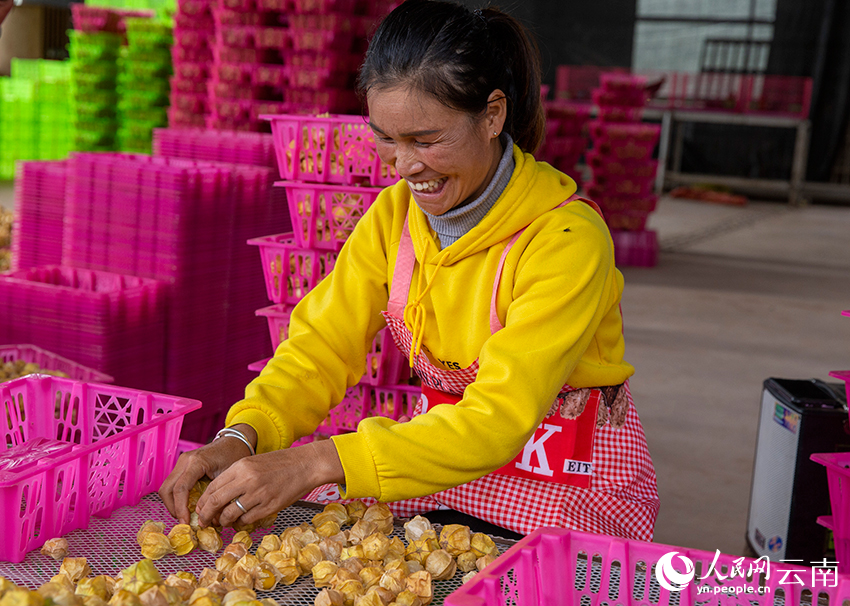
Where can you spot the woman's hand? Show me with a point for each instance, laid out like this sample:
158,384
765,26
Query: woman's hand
210,460
267,483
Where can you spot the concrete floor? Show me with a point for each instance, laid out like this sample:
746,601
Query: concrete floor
740,294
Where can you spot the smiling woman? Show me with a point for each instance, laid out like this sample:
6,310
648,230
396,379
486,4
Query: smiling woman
496,281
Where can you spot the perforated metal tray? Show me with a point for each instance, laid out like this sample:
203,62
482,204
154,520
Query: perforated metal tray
109,545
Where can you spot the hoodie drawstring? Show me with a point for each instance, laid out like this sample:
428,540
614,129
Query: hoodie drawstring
414,312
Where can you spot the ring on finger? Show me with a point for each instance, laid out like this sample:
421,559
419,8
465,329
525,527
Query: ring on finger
239,504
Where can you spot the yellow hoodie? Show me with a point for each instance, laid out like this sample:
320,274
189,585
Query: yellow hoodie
558,300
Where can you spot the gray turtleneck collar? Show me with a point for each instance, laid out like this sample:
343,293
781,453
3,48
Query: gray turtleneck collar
451,225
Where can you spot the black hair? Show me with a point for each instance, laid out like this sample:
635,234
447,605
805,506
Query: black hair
460,56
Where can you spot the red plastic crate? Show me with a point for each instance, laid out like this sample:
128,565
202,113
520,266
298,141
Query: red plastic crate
50,361
74,449
323,216
291,271
334,149
568,567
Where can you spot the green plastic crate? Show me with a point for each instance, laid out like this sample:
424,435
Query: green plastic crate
145,114
17,91
25,69
147,54
142,70
132,98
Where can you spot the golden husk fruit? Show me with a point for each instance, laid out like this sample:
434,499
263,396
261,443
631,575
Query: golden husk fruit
270,542
308,557
182,538
328,597
288,567
123,597
225,562
266,576
58,594
183,586
149,526
323,573
414,528
483,561
455,538
407,598
140,577
353,551
362,528
156,545
243,594
375,546
394,580
370,598
481,544
420,584
331,549
468,576
244,538
355,510
203,596
328,528
75,568
350,590
380,514
100,585
209,576
441,565
237,549
370,575
55,548
466,561
21,597
209,539
93,600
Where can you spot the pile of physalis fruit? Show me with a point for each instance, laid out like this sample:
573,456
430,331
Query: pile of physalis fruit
358,565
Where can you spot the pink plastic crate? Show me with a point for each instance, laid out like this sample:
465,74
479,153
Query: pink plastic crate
626,220
240,73
601,164
319,77
635,248
271,75
275,6
567,118
323,6
237,5
334,149
326,100
620,113
838,477
191,71
610,203
623,141
321,40
620,82
181,119
577,82
228,18
277,38
604,185
278,319
787,95
50,361
291,271
355,406
395,401
567,567
88,18
323,216
192,38
236,36
74,449
189,102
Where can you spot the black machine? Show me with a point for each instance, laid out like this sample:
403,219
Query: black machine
789,490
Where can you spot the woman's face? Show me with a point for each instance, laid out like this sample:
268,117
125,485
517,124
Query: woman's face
446,156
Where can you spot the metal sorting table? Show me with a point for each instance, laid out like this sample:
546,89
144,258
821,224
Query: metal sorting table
109,545
794,187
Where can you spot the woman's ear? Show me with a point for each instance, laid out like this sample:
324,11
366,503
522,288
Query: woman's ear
497,112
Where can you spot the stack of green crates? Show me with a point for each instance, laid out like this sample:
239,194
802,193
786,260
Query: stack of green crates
143,82
18,127
55,128
34,113
94,78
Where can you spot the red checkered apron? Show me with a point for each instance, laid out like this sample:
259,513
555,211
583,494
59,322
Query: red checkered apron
607,483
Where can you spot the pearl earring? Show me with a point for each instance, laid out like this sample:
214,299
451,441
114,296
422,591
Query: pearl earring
495,134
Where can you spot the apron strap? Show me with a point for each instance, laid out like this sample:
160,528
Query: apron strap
403,273
495,323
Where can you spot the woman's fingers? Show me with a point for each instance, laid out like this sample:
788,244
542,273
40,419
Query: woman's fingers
210,460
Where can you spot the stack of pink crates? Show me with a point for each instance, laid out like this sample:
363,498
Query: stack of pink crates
110,322
251,37
262,208
191,56
39,211
175,220
332,175
623,168
566,136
